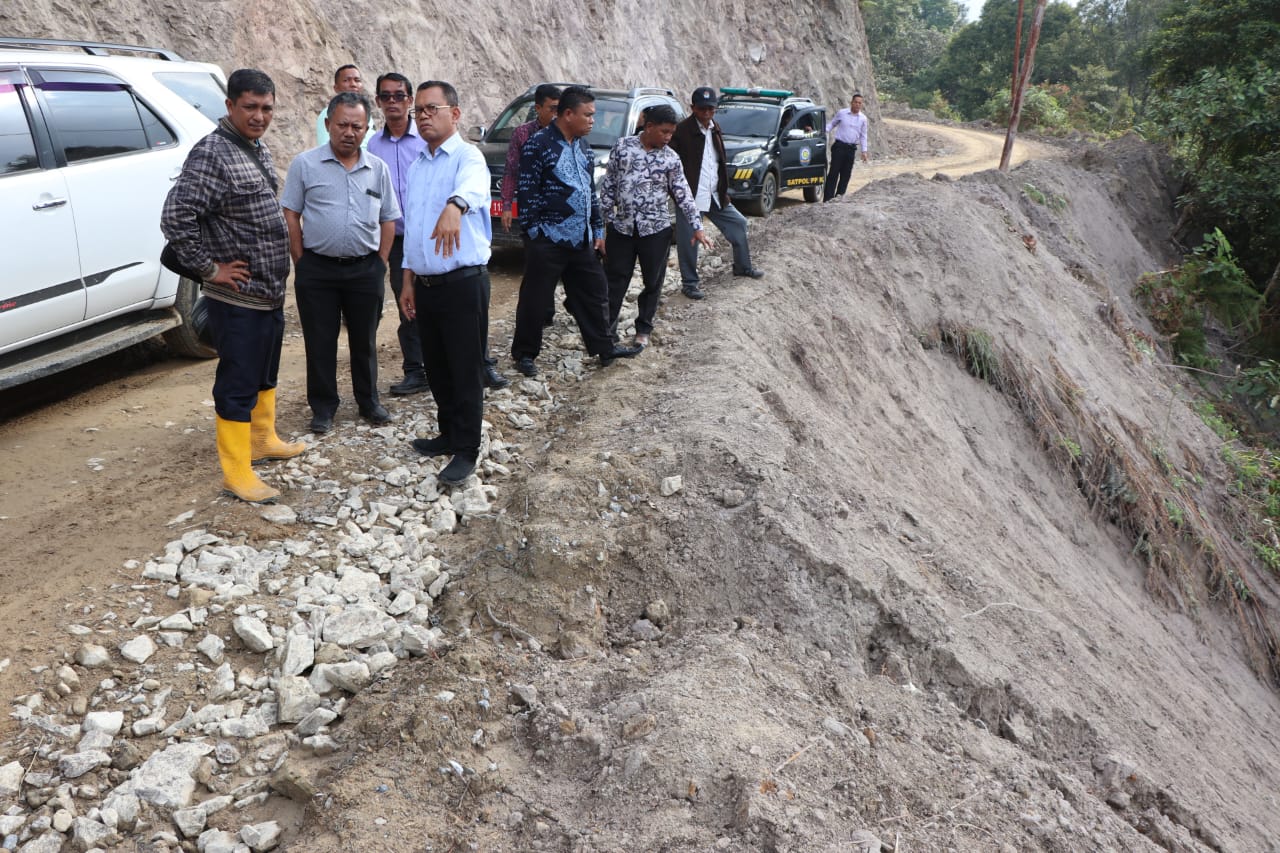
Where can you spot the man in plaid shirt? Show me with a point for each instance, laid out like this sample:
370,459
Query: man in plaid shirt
222,217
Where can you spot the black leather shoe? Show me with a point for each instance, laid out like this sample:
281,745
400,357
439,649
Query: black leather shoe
457,471
377,416
413,383
438,446
749,272
526,366
494,379
607,358
321,423
692,291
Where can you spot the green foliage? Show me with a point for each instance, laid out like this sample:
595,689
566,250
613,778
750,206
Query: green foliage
978,62
1053,201
1040,111
1209,280
1259,384
1216,98
907,37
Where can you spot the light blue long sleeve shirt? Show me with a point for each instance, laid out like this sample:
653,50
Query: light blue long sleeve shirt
457,168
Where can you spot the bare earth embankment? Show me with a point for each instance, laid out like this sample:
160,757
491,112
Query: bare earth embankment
886,605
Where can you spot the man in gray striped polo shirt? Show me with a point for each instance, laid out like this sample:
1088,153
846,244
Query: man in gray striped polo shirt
341,209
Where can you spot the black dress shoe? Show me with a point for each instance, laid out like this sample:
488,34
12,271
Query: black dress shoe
526,366
607,358
321,423
749,272
377,416
438,446
494,379
413,383
692,291
457,471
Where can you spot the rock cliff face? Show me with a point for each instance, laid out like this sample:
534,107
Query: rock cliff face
489,50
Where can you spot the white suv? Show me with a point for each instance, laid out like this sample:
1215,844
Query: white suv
91,138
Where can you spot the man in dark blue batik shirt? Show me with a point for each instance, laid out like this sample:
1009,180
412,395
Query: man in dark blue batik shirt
560,214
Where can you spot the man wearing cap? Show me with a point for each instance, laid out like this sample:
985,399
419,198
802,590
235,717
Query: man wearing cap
851,137
700,145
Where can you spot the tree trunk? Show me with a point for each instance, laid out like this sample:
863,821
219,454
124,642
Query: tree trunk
1015,105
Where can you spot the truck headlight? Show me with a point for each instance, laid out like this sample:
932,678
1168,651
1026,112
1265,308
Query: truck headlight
746,158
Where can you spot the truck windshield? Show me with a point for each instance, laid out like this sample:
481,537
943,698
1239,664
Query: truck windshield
747,119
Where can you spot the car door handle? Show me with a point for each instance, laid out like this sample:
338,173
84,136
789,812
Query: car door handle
45,205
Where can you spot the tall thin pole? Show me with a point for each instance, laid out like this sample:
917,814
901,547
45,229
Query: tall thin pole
1015,104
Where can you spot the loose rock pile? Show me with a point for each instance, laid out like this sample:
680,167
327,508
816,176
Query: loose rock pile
187,717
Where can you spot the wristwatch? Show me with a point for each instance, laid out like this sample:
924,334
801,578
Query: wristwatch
457,202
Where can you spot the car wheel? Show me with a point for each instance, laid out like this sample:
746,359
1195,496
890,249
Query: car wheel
184,340
763,206
812,194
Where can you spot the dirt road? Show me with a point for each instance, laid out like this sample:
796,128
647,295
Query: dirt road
98,459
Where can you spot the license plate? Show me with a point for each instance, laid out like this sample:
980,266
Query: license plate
495,208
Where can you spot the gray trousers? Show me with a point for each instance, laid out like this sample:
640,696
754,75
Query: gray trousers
732,224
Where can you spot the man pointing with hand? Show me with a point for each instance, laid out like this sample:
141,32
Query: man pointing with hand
447,233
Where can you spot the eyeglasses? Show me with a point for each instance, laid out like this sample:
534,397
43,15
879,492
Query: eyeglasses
429,110
393,96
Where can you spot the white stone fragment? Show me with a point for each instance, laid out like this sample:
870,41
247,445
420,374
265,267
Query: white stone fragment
212,648
190,822
11,779
73,765
261,836
315,721
351,676
91,656
402,603
88,834
299,654
217,841
360,626
295,698
254,632
139,649
670,485
166,779
473,501
103,721
177,622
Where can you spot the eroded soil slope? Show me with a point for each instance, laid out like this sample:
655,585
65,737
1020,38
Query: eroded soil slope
888,601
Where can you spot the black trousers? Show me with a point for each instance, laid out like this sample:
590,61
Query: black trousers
248,344
407,330
621,253
328,292
586,296
452,325
841,167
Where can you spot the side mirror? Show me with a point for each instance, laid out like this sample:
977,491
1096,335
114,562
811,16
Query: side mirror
795,133
476,132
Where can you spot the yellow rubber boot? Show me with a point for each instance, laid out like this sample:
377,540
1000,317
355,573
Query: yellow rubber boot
266,444
237,471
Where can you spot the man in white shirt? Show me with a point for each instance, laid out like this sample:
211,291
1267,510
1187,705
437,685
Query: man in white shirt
850,128
701,148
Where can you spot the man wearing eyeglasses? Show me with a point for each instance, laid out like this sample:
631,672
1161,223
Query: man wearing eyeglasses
398,145
446,281
341,209
346,79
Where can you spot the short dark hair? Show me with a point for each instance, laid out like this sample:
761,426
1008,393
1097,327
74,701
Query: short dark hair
573,97
349,99
855,95
658,114
249,80
450,93
342,68
546,92
394,77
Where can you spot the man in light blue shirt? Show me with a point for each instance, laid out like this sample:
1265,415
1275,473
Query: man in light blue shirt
447,232
850,128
